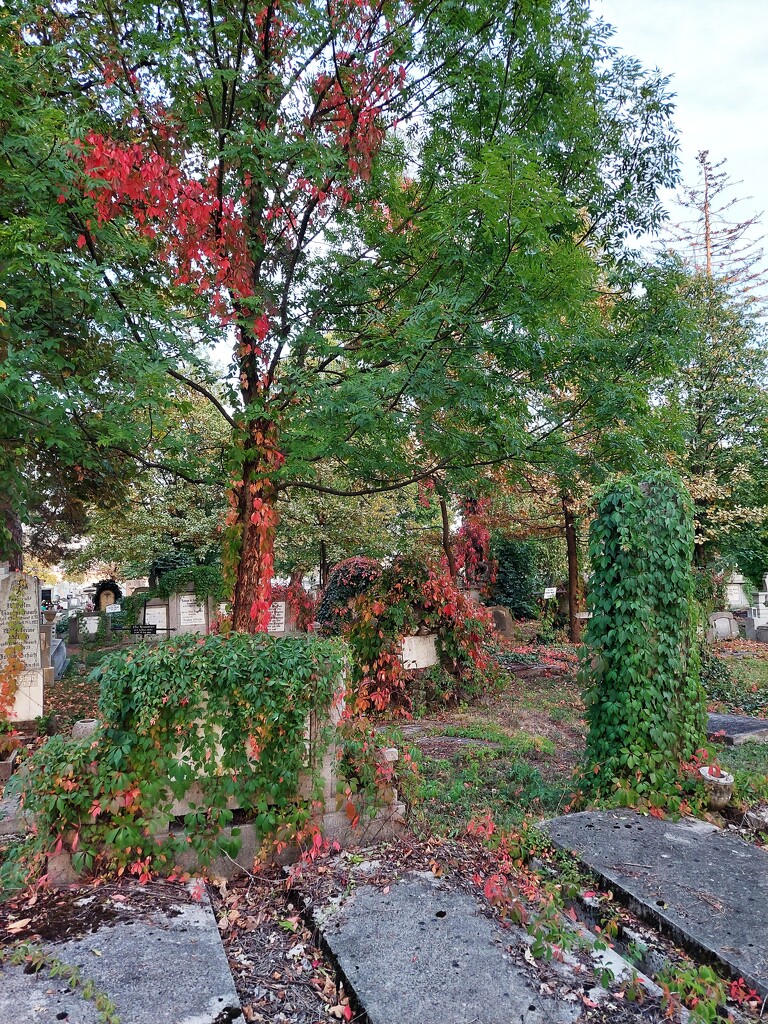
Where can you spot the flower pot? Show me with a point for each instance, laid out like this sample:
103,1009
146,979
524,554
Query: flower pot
719,788
50,616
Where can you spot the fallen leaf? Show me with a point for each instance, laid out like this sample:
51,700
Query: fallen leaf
16,926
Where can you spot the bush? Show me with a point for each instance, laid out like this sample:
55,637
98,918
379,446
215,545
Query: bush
231,711
516,576
408,596
346,581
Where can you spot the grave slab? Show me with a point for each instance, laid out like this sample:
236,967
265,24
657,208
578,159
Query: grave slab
733,730
155,952
702,885
424,951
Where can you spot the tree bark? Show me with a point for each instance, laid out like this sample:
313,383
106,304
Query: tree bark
571,545
447,539
257,517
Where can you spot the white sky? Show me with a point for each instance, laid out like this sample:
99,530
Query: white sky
717,54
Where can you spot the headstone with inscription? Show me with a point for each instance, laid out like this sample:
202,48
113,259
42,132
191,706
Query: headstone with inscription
20,641
277,617
187,613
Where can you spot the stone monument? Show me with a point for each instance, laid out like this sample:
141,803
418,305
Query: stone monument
20,646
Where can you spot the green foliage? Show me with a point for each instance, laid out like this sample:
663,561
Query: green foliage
347,581
207,581
715,675
498,775
516,577
227,712
700,989
645,706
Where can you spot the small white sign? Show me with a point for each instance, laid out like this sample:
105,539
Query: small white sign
550,592
277,618
112,608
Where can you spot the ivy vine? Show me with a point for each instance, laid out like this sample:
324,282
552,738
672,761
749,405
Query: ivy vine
645,705
225,714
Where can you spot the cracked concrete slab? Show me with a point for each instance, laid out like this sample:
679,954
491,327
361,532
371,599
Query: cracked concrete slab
733,730
425,951
704,886
160,961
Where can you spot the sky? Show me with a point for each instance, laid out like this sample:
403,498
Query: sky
717,54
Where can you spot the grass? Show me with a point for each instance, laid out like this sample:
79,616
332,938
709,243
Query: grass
494,774
748,763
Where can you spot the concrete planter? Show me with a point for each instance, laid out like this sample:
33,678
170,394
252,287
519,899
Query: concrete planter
719,788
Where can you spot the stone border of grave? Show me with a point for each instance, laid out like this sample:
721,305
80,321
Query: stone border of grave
334,817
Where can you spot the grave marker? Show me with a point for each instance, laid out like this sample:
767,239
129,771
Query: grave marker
277,617
20,615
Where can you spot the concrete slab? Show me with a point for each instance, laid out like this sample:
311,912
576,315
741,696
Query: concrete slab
424,951
702,885
737,729
155,952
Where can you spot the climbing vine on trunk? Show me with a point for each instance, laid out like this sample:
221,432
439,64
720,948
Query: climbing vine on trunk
645,705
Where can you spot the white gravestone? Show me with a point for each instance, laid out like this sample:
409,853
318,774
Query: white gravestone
187,613
276,617
28,703
155,616
419,652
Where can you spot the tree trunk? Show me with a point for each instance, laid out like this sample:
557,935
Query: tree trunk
257,517
573,570
11,537
447,539
324,568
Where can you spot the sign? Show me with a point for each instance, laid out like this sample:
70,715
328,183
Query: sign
550,592
277,618
149,630
191,611
112,608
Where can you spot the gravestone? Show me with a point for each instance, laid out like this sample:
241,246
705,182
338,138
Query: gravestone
736,594
723,626
503,622
277,617
20,589
419,652
187,613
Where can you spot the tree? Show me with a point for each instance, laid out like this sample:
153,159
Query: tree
719,394
318,529
385,207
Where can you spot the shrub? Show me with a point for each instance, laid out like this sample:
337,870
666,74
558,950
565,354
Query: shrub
408,596
516,578
231,711
346,581
645,705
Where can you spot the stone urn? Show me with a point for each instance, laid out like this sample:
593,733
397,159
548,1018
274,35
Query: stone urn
719,786
82,729
50,615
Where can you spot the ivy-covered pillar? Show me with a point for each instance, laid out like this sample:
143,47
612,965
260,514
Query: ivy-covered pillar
645,707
